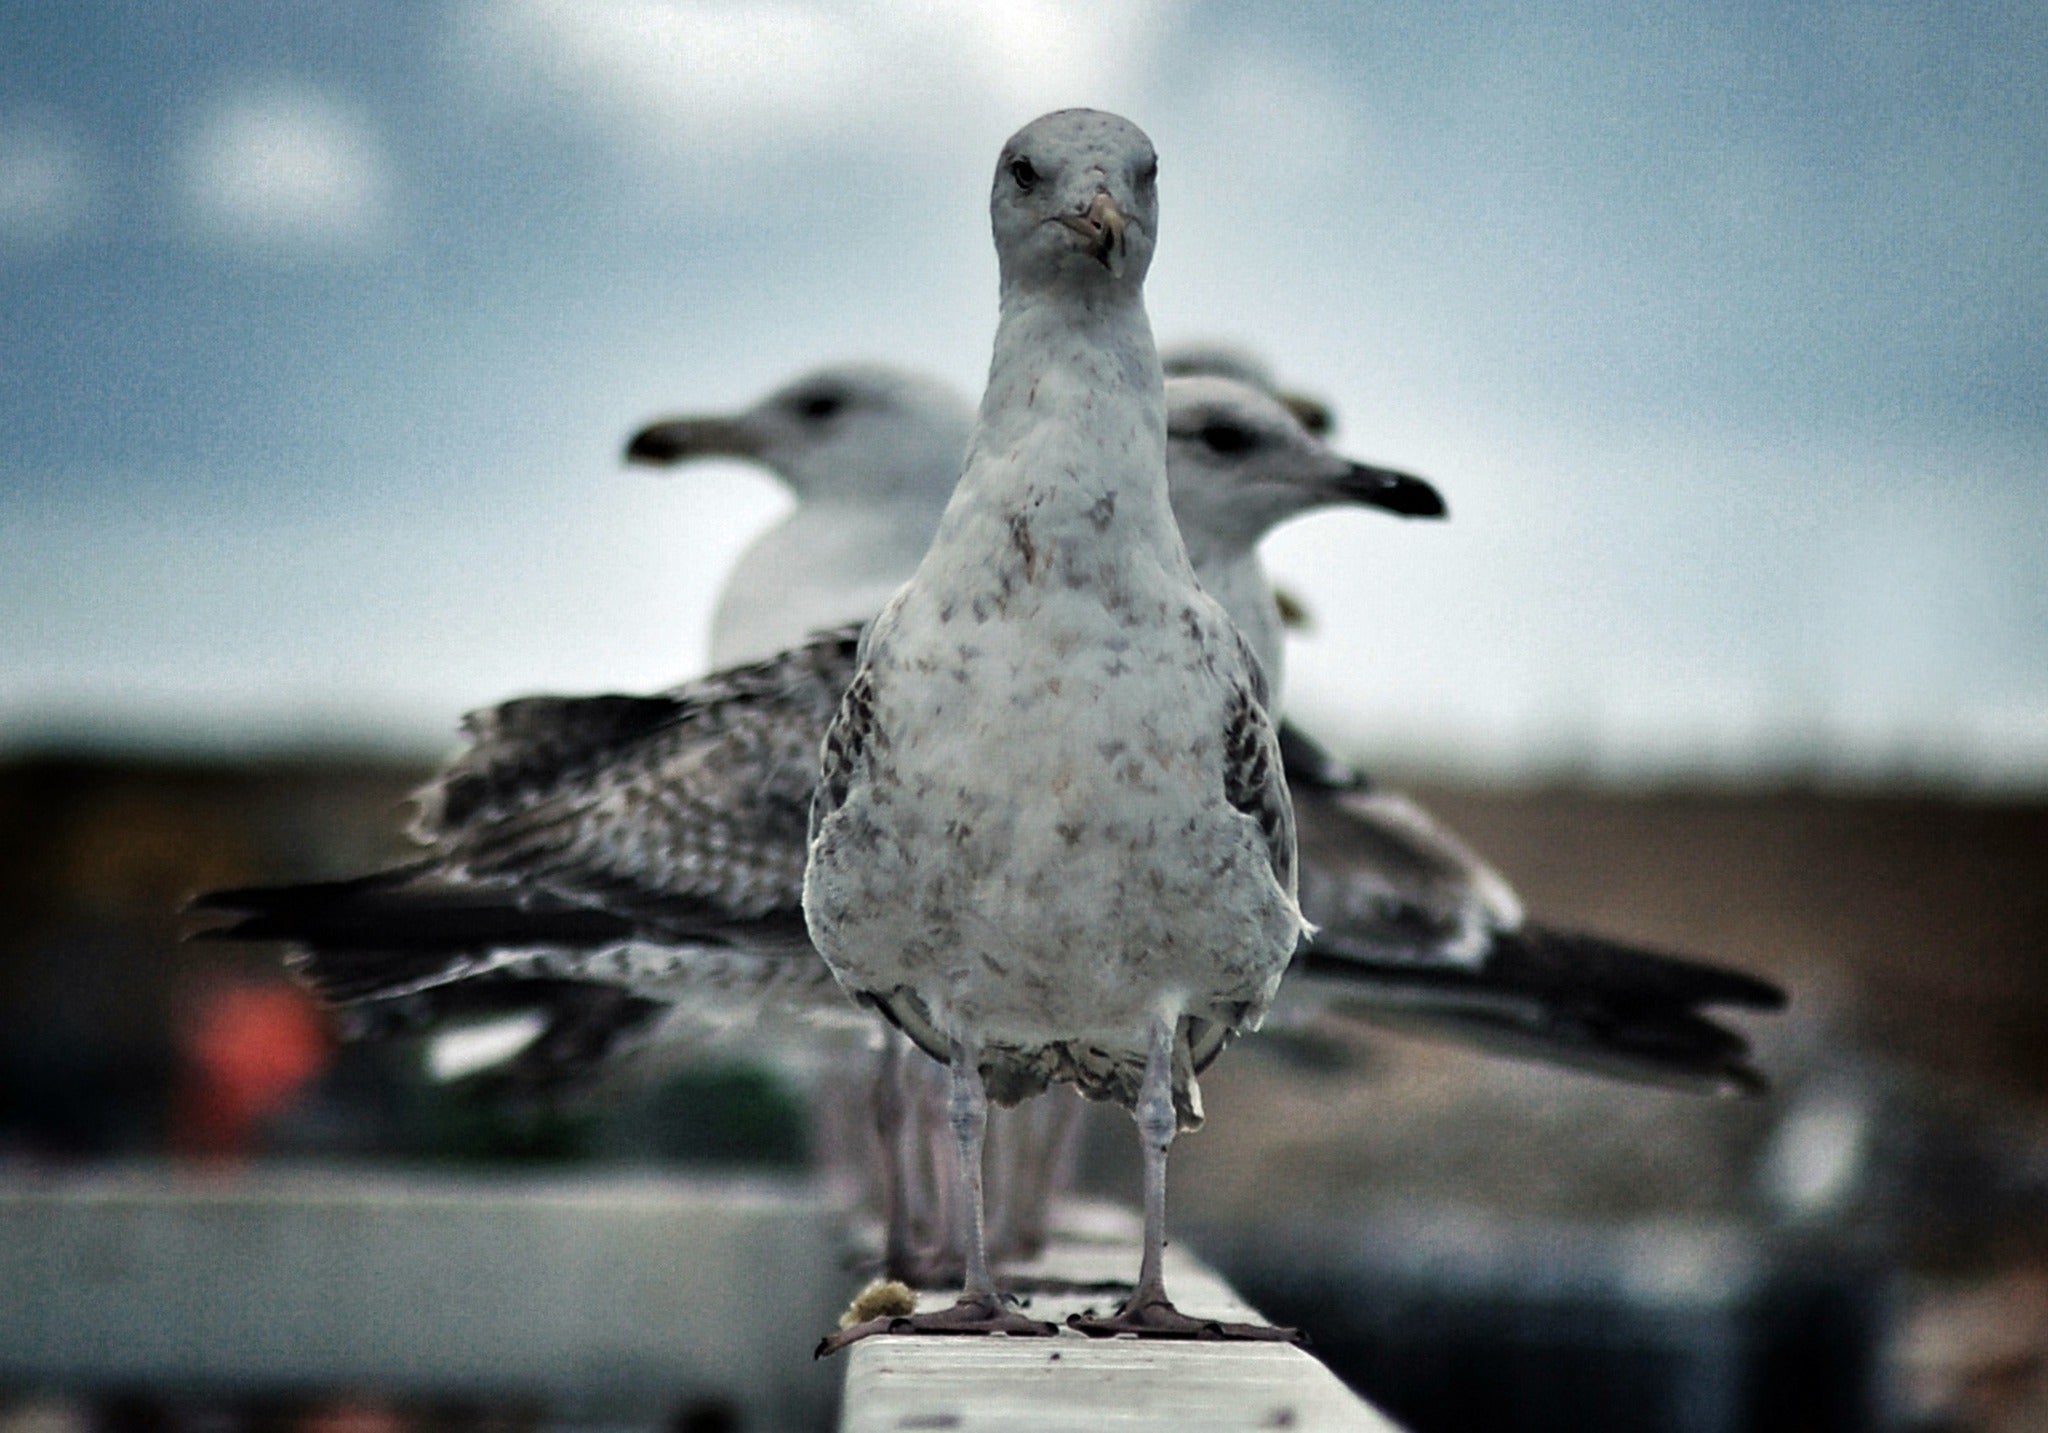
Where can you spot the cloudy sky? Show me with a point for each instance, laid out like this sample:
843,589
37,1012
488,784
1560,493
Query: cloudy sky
1720,326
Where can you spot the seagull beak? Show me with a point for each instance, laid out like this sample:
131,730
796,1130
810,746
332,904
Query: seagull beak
1401,493
1101,226
678,440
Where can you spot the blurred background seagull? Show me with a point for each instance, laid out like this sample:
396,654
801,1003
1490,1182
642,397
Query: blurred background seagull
870,453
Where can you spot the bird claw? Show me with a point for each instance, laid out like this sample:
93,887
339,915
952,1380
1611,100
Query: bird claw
1158,1318
972,1316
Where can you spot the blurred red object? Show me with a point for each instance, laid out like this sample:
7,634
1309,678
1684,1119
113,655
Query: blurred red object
248,1052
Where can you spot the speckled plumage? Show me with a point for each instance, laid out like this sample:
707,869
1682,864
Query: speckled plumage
1051,838
1051,813
699,798
653,845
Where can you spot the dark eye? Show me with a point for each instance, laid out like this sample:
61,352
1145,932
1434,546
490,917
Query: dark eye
1022,171
1151,172
1226,438
819,406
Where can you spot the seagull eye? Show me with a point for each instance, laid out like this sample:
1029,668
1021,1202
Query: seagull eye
1226,438
1022,171
819,406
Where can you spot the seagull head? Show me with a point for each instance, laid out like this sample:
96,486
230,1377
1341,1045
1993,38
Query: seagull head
1220,358
1238,464
857,432
1075,201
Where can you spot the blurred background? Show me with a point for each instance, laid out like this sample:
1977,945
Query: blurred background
1720,328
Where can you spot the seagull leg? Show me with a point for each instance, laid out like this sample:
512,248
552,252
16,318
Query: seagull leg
1148,1312
899,1254
1043,1163
981,1309
939,1161
926,1164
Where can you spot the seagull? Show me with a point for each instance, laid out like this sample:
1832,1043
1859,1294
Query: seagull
1220,358
870,453
1051,840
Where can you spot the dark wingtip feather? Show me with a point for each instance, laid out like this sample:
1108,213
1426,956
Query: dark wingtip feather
277,912
587,1030
1637,976
1571,1000
1310,767
393,931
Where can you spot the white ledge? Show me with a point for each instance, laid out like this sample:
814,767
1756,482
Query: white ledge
1073,1382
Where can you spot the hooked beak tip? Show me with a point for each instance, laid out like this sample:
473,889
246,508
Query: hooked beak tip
1400,493
1101,227
656,445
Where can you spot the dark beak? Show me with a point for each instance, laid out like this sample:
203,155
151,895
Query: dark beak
1401,493
677,440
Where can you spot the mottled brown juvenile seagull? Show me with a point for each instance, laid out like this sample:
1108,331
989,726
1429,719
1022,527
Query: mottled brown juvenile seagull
1051,839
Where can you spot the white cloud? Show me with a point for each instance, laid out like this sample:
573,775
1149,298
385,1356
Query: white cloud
689,80
285,170
45,183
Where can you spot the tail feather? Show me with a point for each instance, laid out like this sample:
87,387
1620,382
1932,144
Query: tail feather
1626,976
386,934
1568,999
586,1029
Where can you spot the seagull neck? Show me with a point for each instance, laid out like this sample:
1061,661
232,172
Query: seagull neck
1103,323
1075,409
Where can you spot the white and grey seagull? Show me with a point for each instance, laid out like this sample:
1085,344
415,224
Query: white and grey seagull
1051,839
870,452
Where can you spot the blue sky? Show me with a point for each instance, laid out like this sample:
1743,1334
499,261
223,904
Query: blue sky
1720,326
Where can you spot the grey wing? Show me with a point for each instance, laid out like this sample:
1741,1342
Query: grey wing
521,752
705,810
1384,881
1254,781
852,736
1255,784
526,752
844,750
1379,876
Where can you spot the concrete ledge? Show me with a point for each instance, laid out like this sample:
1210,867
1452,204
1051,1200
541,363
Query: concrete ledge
1072,1382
